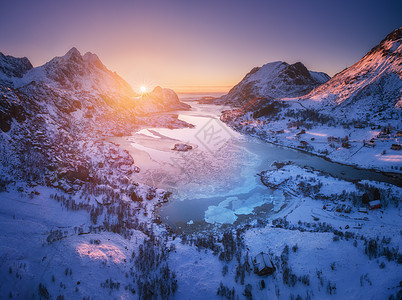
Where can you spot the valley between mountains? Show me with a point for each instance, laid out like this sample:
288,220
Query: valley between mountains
109,193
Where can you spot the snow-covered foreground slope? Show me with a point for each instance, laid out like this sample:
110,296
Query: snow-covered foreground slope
50,245
54,244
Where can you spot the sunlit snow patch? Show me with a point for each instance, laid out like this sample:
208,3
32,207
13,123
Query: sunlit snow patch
103,252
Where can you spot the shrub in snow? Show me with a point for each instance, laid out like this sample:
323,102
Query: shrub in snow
331,288
43,292
225,292
109,283
247,292
288,277
371,248
305,279
225,270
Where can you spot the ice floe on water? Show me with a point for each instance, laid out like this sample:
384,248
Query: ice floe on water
229,210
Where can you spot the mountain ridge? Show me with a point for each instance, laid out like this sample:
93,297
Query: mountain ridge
373,83
74,83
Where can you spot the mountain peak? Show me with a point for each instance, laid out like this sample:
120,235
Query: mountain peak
390,45
73,52
394,35
276,79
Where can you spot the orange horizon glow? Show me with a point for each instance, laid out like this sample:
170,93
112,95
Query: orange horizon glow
201,89
194,89
191,46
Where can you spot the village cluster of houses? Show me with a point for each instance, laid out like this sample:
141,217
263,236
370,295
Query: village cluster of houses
385,133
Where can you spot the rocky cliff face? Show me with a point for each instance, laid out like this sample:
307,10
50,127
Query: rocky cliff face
274,80
13,68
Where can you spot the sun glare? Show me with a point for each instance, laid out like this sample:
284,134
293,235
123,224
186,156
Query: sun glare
143,89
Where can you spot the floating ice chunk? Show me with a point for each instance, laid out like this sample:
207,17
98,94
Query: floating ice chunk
218,214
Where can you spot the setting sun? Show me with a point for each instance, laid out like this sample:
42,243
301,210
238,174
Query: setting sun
143,89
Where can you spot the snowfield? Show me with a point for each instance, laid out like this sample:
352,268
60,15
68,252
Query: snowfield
318,252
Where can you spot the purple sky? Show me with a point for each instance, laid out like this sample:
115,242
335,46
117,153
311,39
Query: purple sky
185,44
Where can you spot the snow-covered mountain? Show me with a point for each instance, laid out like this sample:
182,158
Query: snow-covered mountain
274,80
371,86
77,87
54,119
78,73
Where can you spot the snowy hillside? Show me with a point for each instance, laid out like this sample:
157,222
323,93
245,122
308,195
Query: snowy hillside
54,119
371,86
274,80
354,118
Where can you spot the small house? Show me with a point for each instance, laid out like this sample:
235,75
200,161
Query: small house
346,145
359,125
375,204
303,131
263,264
363,210
370,144
396,147
333,139
303,144
383,135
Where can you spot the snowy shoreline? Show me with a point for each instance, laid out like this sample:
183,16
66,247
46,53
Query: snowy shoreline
396,176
